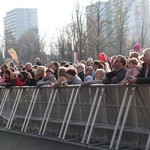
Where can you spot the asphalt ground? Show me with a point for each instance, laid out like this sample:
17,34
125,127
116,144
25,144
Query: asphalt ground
13,141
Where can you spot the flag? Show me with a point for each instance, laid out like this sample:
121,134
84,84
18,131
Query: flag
13,54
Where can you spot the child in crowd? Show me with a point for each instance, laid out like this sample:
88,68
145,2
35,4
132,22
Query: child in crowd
133,70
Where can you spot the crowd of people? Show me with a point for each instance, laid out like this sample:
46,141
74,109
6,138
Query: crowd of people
118,69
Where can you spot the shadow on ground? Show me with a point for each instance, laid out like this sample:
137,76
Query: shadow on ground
12,141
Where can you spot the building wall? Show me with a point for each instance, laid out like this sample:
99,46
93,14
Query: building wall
18,20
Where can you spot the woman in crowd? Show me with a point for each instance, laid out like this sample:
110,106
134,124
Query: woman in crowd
40,73
8,79
72,78
61,77
54,65
49,78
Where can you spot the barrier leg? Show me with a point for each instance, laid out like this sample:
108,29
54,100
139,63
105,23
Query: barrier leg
125,118
49,112
66,113
28,111
119,118
148,143
15,108
46,111
70,114
28,118
90,116
95,115
4,100
12,111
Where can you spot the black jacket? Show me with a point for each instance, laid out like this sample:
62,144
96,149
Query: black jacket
119,76
81,75
141,79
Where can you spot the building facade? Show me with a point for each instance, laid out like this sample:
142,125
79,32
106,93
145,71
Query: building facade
18,20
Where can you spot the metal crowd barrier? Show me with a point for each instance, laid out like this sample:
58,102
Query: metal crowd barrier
97,116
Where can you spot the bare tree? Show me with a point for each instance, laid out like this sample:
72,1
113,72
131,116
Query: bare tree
145,23
64,44
99,27
79,32
120,11
29,46
61,42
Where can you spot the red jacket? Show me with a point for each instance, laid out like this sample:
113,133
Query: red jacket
19,82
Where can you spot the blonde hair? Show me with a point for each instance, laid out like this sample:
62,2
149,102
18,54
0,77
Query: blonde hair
40,71
133,61
62,71
134,55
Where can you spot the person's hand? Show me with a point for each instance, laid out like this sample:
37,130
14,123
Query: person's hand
125,82
133,80
64,83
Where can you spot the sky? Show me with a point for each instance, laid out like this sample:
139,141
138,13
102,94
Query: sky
52,14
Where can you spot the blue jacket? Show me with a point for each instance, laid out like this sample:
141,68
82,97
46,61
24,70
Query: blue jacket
74,80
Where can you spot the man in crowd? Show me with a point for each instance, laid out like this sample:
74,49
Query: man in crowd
118,74
29,69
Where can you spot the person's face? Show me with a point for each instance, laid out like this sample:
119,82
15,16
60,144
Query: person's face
53,66
99,75
28,67
48,74
146,57
117,63
68,76
40,71
6,76
95,66
79,68
3,68
88,72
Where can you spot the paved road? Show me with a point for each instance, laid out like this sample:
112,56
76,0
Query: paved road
12,141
